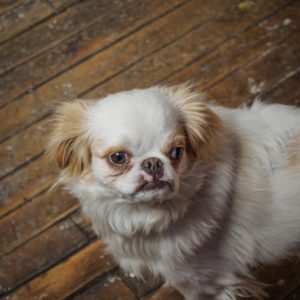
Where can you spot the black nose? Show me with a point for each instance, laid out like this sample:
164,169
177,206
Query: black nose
154,167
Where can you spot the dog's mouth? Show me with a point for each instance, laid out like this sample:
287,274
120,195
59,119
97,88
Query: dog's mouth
155,185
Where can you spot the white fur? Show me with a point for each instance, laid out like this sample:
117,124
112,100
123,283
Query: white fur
222,218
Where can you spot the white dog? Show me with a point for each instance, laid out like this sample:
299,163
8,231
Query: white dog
181,190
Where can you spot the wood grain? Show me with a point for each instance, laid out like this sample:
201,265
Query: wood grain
26,183
210,69
285,92
17,150
166,293
235,50
20,17
73,82
225,46
258,74
55,29
79,46
33,218
67,277
112,288
39,254
6,5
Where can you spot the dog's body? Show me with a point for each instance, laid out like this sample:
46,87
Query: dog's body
198,219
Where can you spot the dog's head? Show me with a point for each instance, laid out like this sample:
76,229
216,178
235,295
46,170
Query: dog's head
139,143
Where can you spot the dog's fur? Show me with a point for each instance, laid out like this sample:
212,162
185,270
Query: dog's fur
230,202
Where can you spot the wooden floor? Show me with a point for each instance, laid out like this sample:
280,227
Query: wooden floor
52,49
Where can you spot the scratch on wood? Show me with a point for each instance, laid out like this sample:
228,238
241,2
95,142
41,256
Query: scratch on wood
51,6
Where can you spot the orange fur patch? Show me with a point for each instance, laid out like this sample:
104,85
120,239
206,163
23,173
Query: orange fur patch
68,143
177,140
294,151
202,126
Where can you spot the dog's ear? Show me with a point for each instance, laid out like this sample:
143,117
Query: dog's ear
68,142
202,126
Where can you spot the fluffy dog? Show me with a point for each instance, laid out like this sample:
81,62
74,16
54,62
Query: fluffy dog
181,190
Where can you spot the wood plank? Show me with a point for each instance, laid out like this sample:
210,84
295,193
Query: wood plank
25,184
85,75
282,278
69,276
258,75
39,254
14,115
20,17
286,92
33,218
112,288
84,224
210,69
133,78
105,31
165,293
82,77
289,289
140,288
6,5
23,147
225,47
63,57
60,5
52,31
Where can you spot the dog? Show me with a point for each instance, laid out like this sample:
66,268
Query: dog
182,190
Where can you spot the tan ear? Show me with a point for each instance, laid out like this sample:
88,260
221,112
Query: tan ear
202,126
68,142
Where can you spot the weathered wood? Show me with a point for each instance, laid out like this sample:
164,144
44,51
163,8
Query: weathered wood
51,32
259,74
105,31
6,5
140,288
39,254
33,218
165,293
21,17
208,51
82,77
84,224
25,184
69,276
112,288
62,57
15,115
128,51
59,5
23,147
286,92
141,44
212,68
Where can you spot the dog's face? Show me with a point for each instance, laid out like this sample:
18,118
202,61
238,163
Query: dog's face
138,143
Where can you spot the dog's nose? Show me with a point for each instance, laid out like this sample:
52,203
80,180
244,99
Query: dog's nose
154,167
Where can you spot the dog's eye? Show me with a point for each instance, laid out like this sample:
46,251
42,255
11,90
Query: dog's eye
118,159
176,153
